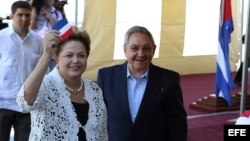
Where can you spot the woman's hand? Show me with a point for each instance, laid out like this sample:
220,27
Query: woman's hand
50,42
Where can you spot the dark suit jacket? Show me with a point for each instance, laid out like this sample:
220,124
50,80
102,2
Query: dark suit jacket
161,116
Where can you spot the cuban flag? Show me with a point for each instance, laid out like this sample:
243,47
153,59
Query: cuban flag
64,28
224,81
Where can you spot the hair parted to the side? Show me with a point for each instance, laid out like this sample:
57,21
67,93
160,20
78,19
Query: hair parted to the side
137,29
20,4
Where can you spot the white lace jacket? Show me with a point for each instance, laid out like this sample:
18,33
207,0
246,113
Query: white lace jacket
52,114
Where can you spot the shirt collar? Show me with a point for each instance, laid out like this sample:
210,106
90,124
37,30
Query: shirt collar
12,31
145,74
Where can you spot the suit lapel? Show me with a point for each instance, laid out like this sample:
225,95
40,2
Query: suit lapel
123,90
151,90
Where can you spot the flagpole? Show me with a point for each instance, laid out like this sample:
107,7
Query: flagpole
241,33
76,13
245,65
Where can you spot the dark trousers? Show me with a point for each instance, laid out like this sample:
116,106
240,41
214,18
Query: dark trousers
20,123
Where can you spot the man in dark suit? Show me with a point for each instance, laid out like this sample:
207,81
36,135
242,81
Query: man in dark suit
144,101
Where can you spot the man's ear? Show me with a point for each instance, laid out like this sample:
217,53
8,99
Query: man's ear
11,16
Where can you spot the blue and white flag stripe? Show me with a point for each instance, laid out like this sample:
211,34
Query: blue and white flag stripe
64,28
224,81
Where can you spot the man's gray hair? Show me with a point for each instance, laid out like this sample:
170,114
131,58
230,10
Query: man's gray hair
137,29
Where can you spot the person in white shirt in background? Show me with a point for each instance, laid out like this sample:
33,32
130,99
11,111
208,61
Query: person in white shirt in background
20,51
44,16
